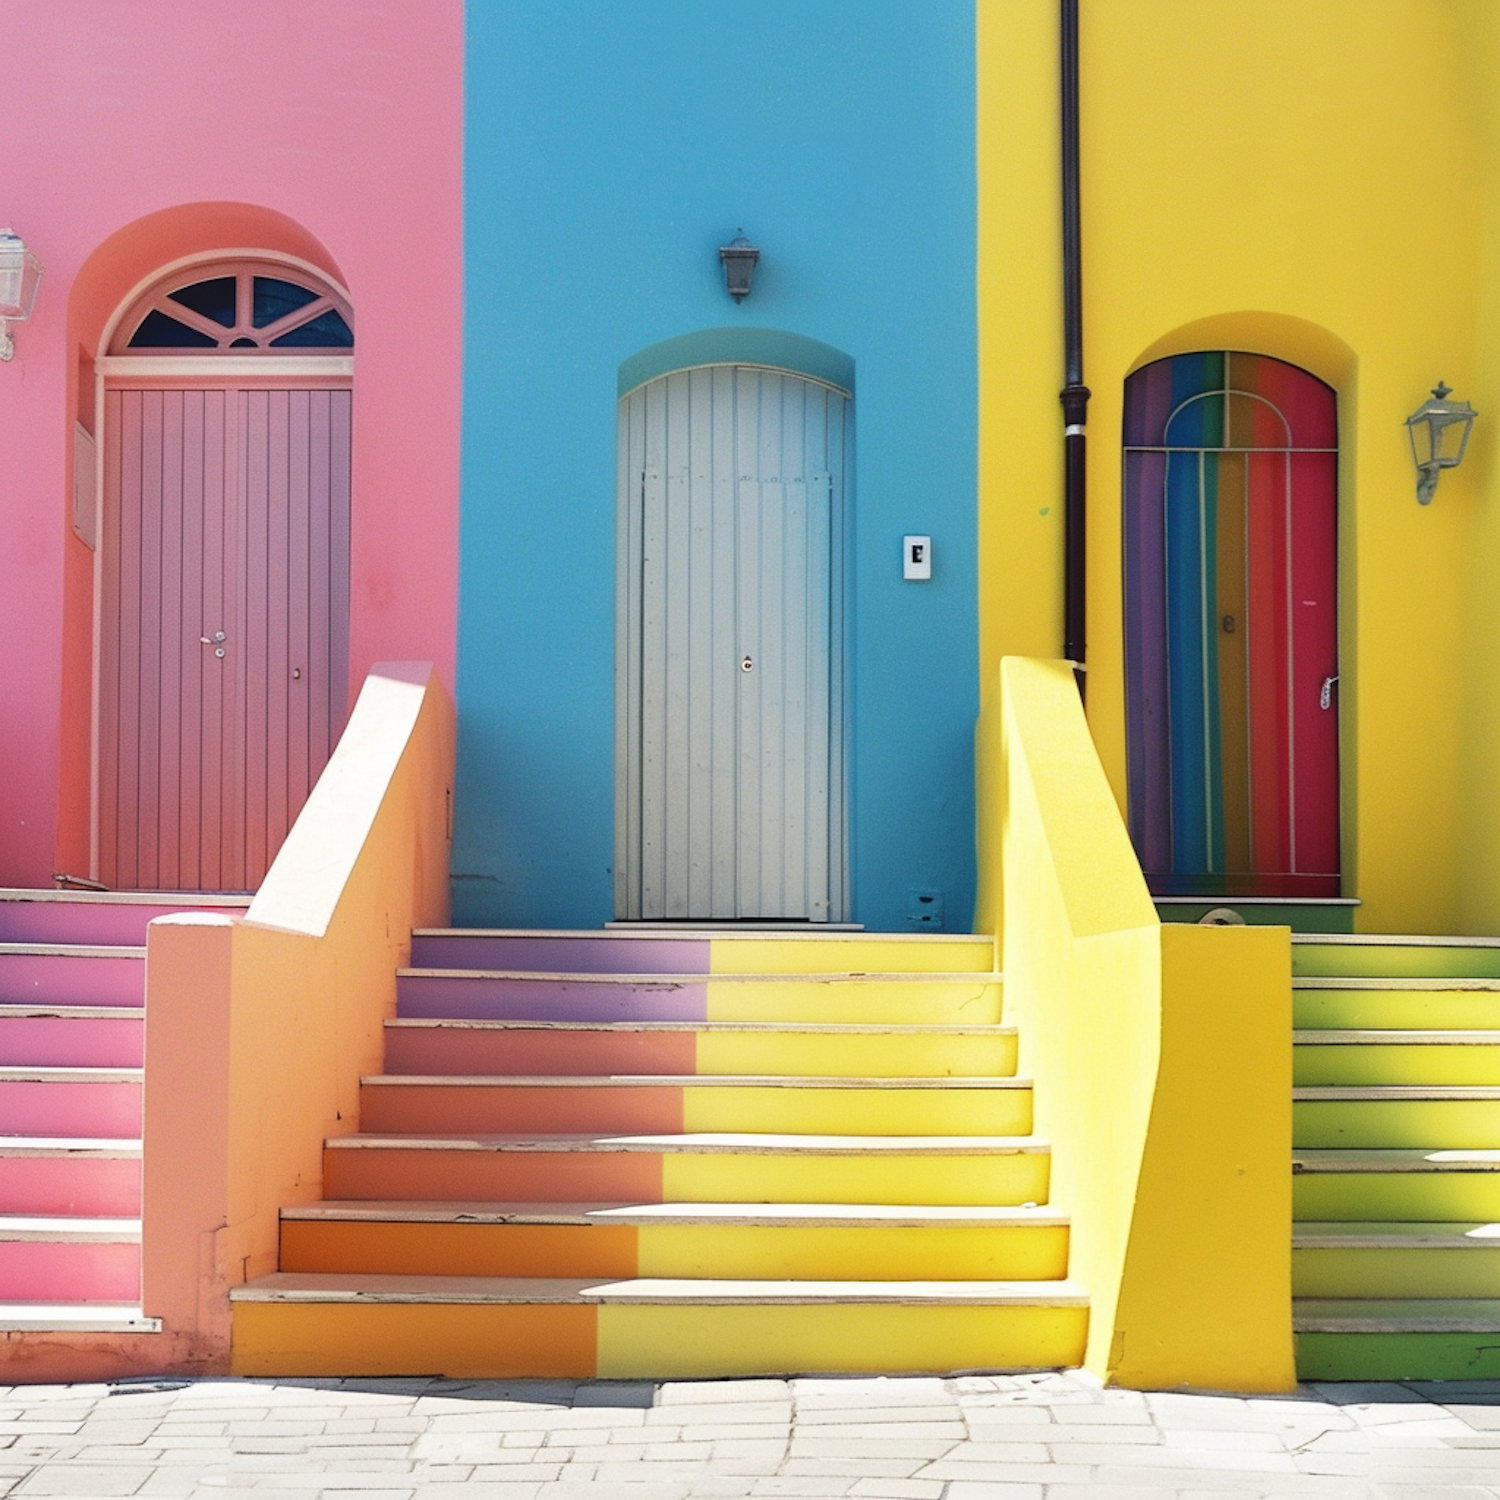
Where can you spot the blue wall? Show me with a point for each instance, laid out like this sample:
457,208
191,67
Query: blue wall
611,148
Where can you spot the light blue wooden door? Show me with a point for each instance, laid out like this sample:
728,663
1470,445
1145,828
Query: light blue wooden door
729,755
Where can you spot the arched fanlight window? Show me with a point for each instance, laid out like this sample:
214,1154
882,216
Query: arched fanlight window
244,308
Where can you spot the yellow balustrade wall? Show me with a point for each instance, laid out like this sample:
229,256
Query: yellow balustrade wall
1161,1058
1315,182
257,1031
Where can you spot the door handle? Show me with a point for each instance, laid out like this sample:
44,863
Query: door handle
1325,698
216,641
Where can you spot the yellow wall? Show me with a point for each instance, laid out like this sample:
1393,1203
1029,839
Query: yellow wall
258,1030
1162,1060
1311,181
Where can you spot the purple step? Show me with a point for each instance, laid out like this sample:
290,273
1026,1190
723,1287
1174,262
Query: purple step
67,1037
87,1271
488,997
108,976
92,922
71,1103
43,1177
559,952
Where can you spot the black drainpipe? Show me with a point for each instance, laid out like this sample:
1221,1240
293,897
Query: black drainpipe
1075,394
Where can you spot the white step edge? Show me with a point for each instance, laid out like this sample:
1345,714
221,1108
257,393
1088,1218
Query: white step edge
1380,983
744,1143
68,950
29,1074
687,1080
303,1286
766,1028
42,896
15,1146
1393,1235
74,1317
55,1229
689,935
23,1010
1372,1037
1391,1159
1396,1315
1471,1093
808,1215
1391,940
858,977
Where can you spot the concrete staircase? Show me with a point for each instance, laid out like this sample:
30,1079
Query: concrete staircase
72,1020
1396,1186
621,1154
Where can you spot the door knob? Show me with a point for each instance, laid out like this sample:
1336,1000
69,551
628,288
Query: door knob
747,665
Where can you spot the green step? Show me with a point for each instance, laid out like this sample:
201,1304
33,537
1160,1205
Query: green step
1395,1260
1392,1004
1395,1057
1379,957
1417,1339
1438,1118
1412,1185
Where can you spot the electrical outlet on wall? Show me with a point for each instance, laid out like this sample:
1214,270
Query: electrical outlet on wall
924,909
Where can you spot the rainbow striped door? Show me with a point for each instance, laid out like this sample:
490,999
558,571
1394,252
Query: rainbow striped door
1231,626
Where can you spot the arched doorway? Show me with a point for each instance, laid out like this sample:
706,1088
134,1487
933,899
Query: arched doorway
223,569
1231,626
730,647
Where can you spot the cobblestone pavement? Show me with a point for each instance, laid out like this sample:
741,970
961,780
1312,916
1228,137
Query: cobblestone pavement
980,1437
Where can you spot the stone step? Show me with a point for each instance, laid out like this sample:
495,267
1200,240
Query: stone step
69,1259
70,1175
690,951
114,917
694,1047
1382,956
42,1101
649,1328
801,1241
37,1316
697,1166
1428,1338
1438,1117
868,999
1394,1005
565,1104
1395,1057
50,974
97,1036
1390,1259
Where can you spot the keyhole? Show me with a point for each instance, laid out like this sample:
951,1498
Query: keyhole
1228,624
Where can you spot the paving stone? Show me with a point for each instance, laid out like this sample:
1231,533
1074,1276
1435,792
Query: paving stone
722,1392
84,1479
966,1489
842,1447
717,1413
901,1489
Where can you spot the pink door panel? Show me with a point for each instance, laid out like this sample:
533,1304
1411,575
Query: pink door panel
223,631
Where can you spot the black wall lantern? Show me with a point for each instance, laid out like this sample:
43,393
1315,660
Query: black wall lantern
739,257
1439,432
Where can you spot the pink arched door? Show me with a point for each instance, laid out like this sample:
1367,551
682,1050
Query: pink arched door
224,567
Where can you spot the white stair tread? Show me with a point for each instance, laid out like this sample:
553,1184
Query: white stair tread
74,1317
300,1286
884,1215
1393,1235
679,981
1396,1315
681,1080
1395,1093
797,1028
744,1143
1390,1159
1398,986
84,897
678,932
70,950
13,1009
57,1229
12,1146
30,1074
1390,940
1392,1037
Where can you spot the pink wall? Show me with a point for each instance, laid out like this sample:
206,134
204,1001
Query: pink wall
331,131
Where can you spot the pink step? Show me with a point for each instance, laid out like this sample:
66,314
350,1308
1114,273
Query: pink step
72,1037
52,1176
70,1102
92,920
86,1270
91,976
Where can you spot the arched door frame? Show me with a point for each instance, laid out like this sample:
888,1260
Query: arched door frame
208,369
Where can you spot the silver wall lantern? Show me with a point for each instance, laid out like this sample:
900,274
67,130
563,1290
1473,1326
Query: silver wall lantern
1439,432
739,257
20,271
